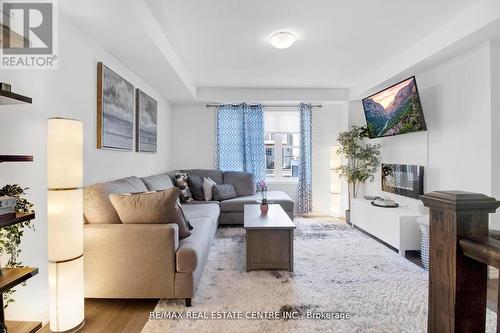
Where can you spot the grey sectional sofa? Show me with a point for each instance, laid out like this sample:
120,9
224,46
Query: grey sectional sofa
149,260
231,211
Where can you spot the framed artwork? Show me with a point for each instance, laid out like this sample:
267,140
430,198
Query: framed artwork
115,110
147,121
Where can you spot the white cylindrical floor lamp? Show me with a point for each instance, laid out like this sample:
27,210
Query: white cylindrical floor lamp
65,224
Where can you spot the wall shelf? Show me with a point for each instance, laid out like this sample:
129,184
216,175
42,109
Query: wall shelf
10,98
16,158
11,277
18,218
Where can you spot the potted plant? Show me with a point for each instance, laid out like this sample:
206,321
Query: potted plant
10,237
262,188
361,160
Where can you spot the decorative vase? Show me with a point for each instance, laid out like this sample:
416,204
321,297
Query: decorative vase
263,195
264,207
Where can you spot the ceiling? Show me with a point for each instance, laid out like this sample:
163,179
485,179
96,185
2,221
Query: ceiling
224,43
184,48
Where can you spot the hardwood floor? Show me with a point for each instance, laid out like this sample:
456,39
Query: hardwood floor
114,315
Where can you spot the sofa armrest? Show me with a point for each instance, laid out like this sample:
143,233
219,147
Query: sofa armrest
130,260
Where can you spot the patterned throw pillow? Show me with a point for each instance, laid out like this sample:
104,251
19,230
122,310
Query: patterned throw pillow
181,179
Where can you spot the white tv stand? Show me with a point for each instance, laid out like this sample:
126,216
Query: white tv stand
397,227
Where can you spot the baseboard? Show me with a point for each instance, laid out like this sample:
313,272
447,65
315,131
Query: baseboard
375,238
316,214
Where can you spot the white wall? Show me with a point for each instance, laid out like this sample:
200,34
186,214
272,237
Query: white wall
193,133
456,149
69,91
281,121
328,122
193,136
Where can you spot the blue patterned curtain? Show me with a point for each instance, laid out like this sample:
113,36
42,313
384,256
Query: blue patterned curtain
240,139
305,169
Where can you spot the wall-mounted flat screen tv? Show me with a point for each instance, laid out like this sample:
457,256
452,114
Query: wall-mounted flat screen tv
394,110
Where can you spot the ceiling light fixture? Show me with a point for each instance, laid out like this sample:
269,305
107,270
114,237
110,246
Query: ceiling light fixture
282,39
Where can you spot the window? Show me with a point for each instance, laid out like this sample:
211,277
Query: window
269,160
282,141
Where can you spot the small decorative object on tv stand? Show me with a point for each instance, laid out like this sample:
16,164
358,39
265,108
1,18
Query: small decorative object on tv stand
385,203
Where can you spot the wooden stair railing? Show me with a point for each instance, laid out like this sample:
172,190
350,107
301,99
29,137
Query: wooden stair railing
485,250
459,250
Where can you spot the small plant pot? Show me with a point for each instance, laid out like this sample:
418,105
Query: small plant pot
264,207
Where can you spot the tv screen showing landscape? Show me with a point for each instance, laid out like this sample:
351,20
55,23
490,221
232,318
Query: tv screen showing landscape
395,110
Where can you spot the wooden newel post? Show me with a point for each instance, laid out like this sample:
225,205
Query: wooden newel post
457,284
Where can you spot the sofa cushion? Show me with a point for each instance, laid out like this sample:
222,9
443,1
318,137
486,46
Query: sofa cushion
151,208
224,192
216,175
237,204
195,184
158,182
193,249
244,182
97,206
210,210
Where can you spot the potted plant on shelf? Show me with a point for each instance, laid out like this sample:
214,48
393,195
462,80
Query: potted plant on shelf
361,160
10,237
262,188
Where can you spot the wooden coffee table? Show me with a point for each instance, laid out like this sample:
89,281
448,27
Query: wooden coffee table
269,238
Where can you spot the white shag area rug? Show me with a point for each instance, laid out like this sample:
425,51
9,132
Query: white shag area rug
338,270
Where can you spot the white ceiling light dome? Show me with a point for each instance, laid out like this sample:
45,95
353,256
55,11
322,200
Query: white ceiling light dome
282,39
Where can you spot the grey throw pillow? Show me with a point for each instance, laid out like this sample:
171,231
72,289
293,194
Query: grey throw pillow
244,182
195,183
223,192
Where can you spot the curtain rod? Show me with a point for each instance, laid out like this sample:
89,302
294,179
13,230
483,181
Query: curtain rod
214,105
